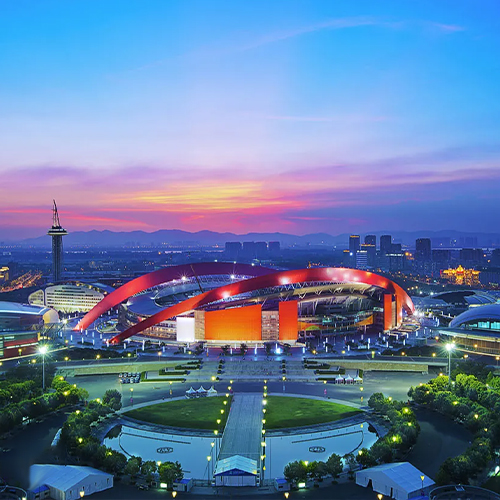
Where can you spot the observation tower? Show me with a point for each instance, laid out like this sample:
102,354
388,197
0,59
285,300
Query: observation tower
56,232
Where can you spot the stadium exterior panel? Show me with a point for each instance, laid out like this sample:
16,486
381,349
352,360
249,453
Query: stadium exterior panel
223,303
476,330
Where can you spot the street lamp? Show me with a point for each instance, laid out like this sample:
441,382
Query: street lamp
380,496
43,351
422,478
449,348
208,468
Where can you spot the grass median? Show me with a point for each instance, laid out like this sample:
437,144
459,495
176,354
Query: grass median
285,412
199,413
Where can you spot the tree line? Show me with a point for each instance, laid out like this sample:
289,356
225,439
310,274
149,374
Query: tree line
402,435
472,398
79,441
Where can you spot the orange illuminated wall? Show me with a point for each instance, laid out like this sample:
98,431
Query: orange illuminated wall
387,311
399,313
289,320
241,323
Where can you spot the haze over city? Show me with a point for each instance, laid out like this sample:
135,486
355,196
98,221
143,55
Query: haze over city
297,117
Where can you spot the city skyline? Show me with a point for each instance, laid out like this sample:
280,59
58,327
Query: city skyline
292,117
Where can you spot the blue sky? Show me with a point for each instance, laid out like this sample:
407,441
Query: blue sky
250,116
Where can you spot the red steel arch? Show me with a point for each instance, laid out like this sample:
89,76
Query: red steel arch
334,274
162,276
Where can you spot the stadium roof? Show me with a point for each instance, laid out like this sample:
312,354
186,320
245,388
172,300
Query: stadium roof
488,312
16,307
266,279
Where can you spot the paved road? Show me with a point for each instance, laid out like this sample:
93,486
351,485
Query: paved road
391,384
242,434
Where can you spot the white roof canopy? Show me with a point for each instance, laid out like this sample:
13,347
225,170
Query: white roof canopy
402,478
236,462
61,477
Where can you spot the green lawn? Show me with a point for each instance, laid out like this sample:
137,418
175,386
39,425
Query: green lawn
190,413
296,412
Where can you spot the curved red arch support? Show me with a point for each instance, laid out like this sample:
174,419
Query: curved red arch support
162,276
334,274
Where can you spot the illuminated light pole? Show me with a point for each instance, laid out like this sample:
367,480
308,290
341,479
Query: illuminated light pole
449,348
422,478
361,389
43,351
132,396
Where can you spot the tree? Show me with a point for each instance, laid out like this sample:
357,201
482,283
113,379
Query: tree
225,349
114,461
243,349
148,468
295,472
334,465
351,463
317,470
365,458
133,467
170,472
113,399
381,451
378,402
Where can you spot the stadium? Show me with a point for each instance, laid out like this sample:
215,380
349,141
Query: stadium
220,303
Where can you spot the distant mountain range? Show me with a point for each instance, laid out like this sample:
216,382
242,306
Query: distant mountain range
178,238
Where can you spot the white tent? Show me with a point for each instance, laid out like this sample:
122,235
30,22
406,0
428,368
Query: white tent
400,480
339,379
68,482
349,379
190,392
357,378
212,391
201,391
236,471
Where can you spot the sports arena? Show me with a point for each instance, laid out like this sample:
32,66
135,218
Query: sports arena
220,303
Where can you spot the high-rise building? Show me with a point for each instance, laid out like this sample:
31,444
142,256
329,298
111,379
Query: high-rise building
371,239
354,243
232,249
56,232
423,250
274,247
361,259
471,256
385,244
371,253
